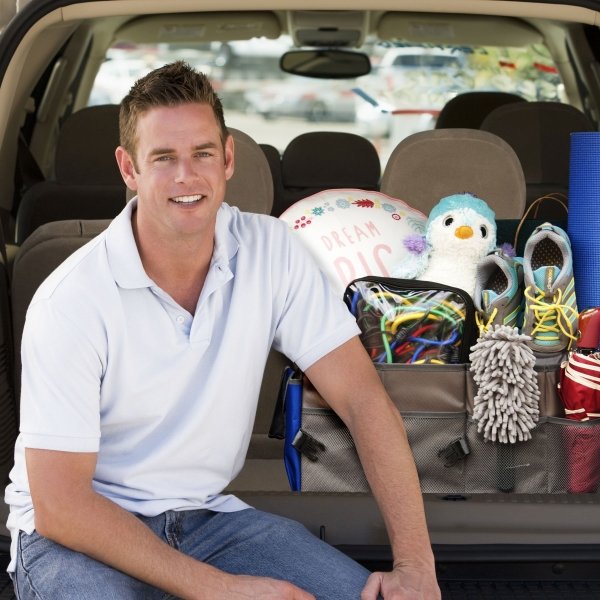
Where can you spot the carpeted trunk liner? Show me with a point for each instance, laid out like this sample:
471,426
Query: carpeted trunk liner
455,589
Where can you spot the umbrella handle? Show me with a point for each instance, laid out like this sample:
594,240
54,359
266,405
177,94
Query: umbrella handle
505,467
589,330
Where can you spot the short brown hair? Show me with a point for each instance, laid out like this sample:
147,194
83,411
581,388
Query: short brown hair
171,85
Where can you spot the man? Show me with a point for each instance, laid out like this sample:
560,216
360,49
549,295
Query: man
142,356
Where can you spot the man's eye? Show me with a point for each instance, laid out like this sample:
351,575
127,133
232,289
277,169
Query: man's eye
163,158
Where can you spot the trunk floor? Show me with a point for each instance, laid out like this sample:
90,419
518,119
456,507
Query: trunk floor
457,590
520,590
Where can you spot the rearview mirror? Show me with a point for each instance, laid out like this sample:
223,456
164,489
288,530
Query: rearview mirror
326,63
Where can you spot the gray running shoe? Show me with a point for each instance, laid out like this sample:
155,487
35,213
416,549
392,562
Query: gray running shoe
498,296
550,315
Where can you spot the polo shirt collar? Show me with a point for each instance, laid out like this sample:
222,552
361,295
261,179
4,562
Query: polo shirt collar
124,258
226,244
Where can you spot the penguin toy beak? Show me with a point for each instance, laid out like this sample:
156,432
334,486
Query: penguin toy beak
464,232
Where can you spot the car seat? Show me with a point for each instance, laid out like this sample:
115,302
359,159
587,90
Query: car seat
86,183
322,160
426,166
8,406
44,250
274,159
470,108
539,133
251,186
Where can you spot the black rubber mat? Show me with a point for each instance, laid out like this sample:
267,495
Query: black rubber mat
520,590
468,590
452,589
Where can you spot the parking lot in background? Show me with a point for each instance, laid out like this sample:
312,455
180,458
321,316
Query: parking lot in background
402,95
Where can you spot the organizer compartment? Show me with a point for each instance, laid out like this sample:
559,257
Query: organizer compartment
437,442
431,400
521,467
574,460
436,403
420,388
433,439
337,468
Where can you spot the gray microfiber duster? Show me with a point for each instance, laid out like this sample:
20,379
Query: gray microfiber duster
506,407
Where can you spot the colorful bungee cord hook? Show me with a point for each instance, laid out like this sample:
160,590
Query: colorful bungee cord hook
409,326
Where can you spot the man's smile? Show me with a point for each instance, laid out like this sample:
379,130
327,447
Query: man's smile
187,199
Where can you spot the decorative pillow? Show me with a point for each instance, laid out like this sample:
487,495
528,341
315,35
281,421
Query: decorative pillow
353,233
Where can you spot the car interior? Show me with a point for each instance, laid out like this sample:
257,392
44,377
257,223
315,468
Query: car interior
504,139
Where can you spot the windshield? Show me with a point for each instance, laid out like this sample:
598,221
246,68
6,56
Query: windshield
403,94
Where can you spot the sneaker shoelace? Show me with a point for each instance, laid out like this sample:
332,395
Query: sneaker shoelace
551,316
482,324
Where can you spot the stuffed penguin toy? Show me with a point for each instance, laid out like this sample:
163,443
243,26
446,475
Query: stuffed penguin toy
460,230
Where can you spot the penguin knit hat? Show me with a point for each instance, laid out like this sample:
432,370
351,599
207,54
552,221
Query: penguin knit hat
458,201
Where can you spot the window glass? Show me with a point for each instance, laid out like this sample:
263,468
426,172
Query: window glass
403,94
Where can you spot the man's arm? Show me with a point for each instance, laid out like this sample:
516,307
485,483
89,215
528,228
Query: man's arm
349,383
70,512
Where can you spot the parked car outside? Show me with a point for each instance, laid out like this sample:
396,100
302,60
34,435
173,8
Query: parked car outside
314,100
115,77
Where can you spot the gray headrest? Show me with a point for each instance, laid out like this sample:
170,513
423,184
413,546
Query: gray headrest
540,134
328,159
251,187
426,166
470,108
85,151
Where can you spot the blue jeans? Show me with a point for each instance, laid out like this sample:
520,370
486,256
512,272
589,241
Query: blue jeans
247,542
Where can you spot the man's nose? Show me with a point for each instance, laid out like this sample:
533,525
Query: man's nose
185,171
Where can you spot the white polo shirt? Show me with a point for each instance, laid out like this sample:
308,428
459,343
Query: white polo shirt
113,365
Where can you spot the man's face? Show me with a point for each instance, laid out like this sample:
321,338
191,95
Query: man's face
181,170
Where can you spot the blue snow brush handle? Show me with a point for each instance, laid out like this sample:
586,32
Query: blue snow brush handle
368,98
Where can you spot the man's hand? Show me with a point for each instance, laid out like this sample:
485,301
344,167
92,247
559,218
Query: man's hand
242,587
403,583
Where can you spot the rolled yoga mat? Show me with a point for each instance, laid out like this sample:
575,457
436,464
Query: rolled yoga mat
584,216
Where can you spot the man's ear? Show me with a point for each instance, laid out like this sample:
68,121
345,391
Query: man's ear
127,168
229,157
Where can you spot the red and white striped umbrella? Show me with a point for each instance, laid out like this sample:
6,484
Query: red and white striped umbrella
579,386
579,391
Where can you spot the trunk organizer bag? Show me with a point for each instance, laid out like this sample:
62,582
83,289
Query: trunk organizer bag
436,403
411,321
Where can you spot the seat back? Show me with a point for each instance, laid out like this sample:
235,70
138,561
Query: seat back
273,157
539,133
44,250
85,150
426,166
86,183
251,186
470,108
323,160
8,406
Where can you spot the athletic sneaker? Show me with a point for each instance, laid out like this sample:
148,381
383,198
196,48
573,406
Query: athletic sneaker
498,296
550,316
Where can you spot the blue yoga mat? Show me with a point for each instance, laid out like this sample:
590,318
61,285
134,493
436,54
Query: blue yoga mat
584,216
